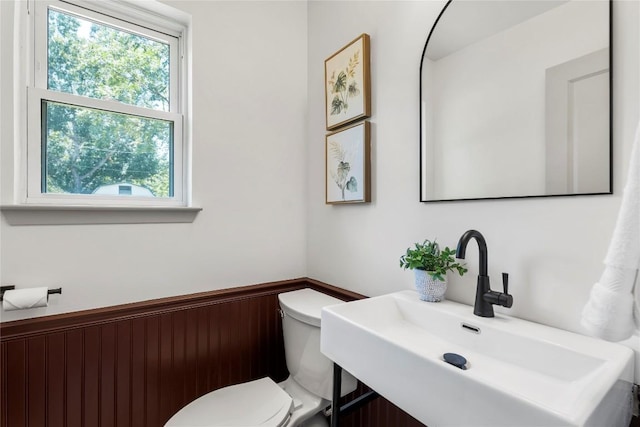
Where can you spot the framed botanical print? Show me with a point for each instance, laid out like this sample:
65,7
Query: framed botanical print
348,83
348,169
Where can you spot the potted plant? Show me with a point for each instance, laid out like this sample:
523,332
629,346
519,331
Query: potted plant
430,265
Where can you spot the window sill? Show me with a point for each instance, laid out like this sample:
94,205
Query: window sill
77,215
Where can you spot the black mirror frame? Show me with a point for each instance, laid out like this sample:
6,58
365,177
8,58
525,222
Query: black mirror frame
611,70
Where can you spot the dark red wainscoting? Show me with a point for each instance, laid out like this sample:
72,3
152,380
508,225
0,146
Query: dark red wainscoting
137,364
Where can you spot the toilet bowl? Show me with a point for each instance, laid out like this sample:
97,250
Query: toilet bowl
297,401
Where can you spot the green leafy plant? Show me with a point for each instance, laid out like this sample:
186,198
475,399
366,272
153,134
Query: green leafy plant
428,256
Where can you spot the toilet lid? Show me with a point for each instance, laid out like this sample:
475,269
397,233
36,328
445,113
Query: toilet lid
256,403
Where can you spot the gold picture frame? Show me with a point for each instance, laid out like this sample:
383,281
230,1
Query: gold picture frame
348,165
348,84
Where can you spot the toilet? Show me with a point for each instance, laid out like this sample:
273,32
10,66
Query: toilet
299,400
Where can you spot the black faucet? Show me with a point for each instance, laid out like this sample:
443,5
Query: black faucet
485,297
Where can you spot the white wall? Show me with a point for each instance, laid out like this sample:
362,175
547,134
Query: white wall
249,130
552,248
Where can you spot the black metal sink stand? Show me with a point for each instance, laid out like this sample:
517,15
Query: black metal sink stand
336,409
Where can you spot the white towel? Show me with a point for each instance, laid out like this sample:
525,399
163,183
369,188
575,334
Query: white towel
610,314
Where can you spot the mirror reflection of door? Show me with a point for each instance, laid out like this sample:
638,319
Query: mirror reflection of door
515,100
577,119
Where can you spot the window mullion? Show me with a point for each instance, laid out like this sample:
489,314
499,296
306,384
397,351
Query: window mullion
105,105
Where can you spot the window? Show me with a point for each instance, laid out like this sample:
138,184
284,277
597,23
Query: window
105,106
124,189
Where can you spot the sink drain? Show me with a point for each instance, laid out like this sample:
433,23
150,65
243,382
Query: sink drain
455,360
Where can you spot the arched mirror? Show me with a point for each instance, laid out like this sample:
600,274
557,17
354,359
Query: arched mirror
516,100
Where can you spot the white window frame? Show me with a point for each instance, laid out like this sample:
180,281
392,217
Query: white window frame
127,16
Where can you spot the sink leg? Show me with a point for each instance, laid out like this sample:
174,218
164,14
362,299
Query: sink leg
337,386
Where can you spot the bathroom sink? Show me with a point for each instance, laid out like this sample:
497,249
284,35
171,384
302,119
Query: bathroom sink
518,373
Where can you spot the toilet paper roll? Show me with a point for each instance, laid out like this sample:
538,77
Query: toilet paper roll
20,299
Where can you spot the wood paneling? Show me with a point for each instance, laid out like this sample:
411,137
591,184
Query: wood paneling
136,365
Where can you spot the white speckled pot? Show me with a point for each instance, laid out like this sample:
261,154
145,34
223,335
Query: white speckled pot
428,288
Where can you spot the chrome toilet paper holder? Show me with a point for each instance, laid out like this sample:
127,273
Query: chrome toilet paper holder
3,289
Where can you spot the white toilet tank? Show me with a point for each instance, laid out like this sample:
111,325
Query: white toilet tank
301,329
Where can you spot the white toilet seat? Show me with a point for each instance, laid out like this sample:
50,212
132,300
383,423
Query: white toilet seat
256,403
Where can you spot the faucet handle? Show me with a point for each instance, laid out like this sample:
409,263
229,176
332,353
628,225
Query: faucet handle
505,282
505,299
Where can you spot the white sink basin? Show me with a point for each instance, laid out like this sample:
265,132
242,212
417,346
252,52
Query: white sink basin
519,373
